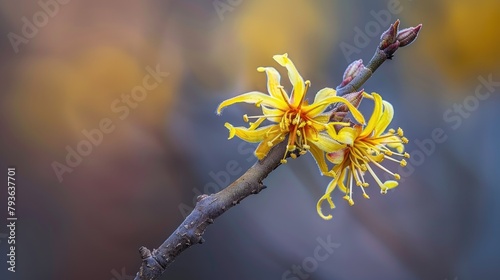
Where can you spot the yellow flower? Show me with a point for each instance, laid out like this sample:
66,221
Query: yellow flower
307,126
369,149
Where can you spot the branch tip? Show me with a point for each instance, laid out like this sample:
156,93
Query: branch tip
390,41
408,35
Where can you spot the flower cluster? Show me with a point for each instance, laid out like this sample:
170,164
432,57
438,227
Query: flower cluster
371,145
354,147
306,125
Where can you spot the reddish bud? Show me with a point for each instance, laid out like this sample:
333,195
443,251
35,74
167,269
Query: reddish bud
345,82
354,97
339,113
391,49
408,35
353,69
389,36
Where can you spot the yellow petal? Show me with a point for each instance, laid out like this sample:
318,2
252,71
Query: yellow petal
318,207
249,135
325,143
336,157
331,187
295,79
385,119
231,129
340,182
319,157
316,109
373,121
327,197
324,93
320,122
262,150
273,83
346,135
254,97
323,118
311,133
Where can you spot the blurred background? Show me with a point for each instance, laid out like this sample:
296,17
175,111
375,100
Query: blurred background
84,209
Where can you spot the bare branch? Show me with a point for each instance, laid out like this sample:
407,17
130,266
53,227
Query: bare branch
207,209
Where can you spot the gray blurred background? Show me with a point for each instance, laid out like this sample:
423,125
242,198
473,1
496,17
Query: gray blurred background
67,68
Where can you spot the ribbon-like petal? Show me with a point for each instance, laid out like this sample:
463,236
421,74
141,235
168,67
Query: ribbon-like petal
295,79
254,97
